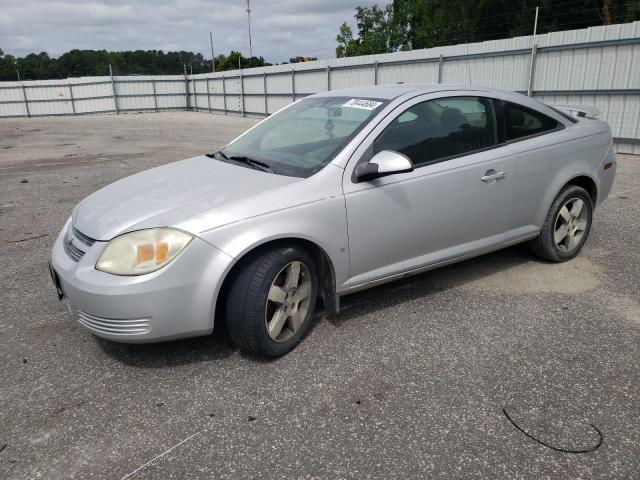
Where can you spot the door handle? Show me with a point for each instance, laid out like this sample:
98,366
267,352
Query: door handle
491,176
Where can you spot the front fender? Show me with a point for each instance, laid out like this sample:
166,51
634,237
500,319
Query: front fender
322,222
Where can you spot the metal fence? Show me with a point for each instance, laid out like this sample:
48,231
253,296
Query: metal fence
598,66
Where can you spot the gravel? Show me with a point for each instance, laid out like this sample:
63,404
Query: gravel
409,381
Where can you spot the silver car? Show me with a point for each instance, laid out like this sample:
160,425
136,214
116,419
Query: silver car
335,193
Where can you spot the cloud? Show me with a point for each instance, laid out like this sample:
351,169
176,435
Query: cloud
280,28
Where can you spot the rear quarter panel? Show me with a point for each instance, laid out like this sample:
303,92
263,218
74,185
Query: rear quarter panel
547,163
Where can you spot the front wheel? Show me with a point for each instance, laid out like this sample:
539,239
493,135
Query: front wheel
271,301
566,227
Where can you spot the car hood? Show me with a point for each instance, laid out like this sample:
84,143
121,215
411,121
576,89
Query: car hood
168,194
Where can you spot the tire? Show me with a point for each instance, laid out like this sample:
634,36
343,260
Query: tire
264,295
565,215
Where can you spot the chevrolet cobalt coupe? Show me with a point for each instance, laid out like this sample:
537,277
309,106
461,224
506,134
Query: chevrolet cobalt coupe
335,193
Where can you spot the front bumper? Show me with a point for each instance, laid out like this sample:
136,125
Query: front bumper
173,302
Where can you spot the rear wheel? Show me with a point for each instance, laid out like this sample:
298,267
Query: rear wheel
272,300
566,227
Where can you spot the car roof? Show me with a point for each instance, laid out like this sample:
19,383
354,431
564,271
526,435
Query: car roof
392,92
395,90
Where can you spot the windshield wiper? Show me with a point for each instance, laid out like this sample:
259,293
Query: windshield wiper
257,164
251,161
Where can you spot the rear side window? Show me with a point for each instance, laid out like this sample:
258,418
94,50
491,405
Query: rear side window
441,128
523,122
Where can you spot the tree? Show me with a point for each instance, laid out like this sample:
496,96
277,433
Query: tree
7,67
347,45
299,59
78,63
412,24
376,30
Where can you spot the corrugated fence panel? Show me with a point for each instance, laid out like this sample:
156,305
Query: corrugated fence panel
597,66
166,102
280,83
352,77
95,105
311,82
13,110
232,85
254,85
254,104
408,72
217,102
276,103
136,103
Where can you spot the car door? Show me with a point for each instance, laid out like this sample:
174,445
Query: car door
454,203
539,149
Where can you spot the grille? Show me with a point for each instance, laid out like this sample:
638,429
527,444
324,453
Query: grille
74,252
82,237
134,326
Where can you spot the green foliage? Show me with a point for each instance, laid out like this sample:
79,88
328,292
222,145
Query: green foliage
300,59
79,63
413,24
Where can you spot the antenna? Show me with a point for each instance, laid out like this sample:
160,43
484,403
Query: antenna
249,19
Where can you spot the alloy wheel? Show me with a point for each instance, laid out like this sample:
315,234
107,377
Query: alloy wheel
288,301
570,225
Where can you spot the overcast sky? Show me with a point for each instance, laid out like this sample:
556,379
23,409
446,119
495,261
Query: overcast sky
280,28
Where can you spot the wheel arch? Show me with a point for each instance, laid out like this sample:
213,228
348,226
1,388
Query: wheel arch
581,179
324,264
587,183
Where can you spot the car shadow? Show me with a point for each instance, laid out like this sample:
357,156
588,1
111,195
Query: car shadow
431,282
219,345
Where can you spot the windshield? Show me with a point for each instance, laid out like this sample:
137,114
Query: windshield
301,139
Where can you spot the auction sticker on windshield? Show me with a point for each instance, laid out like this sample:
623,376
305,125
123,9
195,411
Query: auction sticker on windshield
362,104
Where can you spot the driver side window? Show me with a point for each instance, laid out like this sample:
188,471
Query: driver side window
437,129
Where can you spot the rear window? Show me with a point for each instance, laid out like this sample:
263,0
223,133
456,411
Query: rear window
523,122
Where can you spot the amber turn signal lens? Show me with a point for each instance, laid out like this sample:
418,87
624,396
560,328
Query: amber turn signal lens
162,252
145,252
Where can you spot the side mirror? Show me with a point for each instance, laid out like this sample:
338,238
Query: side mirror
386,162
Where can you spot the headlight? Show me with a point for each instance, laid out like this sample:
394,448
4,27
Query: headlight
143,251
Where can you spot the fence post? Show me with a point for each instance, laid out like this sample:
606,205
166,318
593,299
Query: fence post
375,72
113,90
264,86
187,96
155,97
241,93
532,69
328,78
26,102
224,94
73,105
440,64
195,94
293,84
208,95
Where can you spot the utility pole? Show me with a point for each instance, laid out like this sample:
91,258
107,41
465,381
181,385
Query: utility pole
249,18
213,65
534,48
